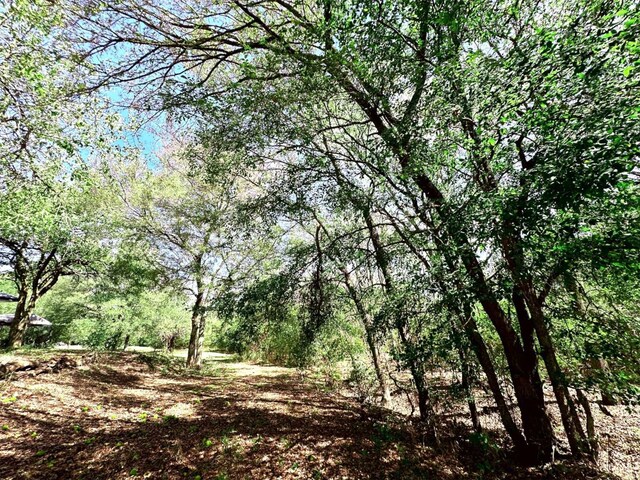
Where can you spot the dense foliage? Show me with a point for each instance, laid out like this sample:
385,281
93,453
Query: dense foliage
396,187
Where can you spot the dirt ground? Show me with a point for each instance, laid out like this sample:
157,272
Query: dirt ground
130,415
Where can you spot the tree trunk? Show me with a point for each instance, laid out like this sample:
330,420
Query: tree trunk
576,435
536,422
535,419
24,309
479,346
415,365
468,391
425,407
418,374
537,443
484,358
523,371
526,380
378,367
196,338
378,362
591,428
465,371
196,341
525,298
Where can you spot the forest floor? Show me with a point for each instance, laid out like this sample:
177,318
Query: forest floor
128,415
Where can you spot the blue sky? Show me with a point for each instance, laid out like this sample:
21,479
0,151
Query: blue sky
147,138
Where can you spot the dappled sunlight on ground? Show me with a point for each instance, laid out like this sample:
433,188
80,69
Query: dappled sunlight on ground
137,414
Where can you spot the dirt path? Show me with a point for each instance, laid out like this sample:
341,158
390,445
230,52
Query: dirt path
118,418
135,415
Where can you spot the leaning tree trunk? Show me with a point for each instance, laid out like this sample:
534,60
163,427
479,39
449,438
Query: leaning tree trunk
378,363
536,422
24,309
529,309
521,358
376,354
425,406
479,346
416,367
467,380
526,385
578,440
523,369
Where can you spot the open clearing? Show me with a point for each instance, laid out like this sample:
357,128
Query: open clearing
131,415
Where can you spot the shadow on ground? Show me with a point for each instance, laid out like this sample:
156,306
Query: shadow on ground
122,417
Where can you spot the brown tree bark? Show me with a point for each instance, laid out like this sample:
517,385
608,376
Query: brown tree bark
196,341
198,321
524,375
478,345
576,435
24,309
535,419
33,280
525,298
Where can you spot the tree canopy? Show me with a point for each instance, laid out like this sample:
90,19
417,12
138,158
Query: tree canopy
406,185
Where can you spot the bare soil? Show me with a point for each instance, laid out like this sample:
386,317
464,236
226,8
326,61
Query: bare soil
129,415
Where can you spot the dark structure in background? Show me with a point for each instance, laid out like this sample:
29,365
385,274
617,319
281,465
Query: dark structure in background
7,297
7,319
34,320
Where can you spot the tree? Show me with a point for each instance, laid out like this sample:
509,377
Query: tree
185,222
44,236
49,194
494,127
